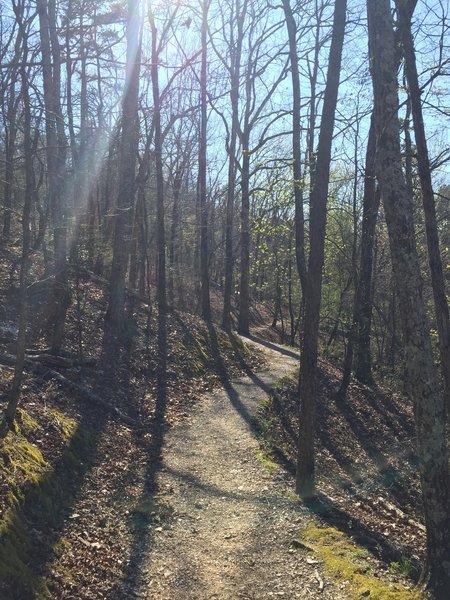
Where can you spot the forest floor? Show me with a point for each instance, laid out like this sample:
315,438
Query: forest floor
231,526
196,501
194,511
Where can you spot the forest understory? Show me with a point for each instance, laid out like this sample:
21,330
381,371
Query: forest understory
74,473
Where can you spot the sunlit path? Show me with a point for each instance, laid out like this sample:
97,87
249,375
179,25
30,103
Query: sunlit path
230,522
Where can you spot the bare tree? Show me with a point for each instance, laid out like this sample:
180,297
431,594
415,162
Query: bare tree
127,179
305,483
16,387
421,376
56,163
202,166
296,144
405,10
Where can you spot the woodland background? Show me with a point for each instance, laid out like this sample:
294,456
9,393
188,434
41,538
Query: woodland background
225,160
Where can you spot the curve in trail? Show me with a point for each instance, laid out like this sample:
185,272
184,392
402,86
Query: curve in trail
231,525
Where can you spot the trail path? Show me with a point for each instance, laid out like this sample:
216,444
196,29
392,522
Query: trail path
233,522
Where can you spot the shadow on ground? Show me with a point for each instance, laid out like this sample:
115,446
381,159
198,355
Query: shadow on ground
153,445
365,451
32,528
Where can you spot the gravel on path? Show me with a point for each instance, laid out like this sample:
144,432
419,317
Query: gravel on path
230,523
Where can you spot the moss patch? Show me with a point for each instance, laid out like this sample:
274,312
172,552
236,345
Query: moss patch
26,422
267,462
22,466
35,493
345,561
65,424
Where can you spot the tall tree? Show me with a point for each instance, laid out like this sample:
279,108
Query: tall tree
236,38
259,62
405,10
204,254
296,143
127,176
360,331
421,376
56,159
305,482
16,386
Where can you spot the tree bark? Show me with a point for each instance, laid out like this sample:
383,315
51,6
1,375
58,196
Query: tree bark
204,255
305,483
363,309
16,387
423,163
296,147
127,177
421,377
55,314
235,71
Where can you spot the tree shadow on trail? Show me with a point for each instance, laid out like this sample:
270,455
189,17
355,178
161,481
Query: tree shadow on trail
271,346
143,532
252,421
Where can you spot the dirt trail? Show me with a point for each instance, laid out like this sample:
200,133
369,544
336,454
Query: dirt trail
231,525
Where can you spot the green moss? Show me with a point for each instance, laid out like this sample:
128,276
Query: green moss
34,488
61,547
267,462
26,422
66,424
344,561
14,555
20,454
197,367
12,563
200,348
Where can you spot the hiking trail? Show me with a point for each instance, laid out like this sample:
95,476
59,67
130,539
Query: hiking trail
229,524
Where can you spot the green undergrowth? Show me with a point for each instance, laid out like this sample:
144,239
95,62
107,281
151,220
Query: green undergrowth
267,462
36,493
345,561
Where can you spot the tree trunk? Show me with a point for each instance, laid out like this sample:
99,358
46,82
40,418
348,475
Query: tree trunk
305,483
10,146
161,292
55,314
174,232
437,275
296,147
421,376
204,256
349,351
363,309
127,178
244,283
16,387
